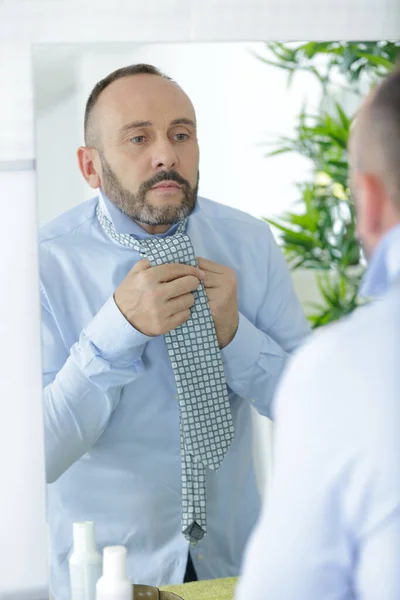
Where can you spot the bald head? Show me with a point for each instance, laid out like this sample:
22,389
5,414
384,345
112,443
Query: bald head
91,133
375,138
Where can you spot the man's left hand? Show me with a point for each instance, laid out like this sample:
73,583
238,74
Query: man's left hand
220,285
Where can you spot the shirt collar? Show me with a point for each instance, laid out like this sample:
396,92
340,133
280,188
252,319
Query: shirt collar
384,266
123,224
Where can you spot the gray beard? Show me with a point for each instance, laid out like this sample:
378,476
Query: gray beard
137,207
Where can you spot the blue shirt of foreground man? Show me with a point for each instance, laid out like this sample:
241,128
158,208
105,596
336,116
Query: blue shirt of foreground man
331,530
111,415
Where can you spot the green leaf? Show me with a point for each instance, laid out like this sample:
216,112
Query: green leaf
295,237
307,221
278,151
378,61
343,117
274,64
339,164
290,78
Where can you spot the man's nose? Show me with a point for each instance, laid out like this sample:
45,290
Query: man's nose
164,156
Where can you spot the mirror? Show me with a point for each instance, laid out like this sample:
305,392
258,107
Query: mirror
112,421
50,23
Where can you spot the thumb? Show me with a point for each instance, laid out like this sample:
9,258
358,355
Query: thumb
141,265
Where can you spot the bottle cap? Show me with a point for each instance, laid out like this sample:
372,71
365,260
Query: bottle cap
84,538
114,562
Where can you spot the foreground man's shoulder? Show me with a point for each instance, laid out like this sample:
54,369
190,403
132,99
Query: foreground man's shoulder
346,364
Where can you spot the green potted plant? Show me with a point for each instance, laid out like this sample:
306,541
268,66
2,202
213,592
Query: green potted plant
319,233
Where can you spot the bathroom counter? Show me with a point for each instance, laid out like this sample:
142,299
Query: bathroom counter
214,589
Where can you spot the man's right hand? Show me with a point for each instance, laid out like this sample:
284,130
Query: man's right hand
156,300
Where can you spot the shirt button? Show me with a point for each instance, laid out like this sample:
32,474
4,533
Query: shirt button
200,556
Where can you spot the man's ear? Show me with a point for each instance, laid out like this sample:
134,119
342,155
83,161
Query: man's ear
87,160
371,203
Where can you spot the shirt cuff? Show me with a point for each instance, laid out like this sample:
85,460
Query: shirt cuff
114,336
241,355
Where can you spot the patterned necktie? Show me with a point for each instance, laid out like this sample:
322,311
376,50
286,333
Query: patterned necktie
205,416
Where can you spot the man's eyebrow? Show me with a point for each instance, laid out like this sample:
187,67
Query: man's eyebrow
184,121
138,124
135,125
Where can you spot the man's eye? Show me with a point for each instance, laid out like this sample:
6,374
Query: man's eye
138,139
181,137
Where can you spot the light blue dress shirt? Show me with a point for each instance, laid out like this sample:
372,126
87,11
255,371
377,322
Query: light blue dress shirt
384,267
111,416
331,529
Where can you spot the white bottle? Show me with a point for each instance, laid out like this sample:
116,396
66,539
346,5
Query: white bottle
85,563
114,584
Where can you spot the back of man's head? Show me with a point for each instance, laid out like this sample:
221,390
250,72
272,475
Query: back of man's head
375,158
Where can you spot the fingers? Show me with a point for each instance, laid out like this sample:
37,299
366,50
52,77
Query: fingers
179,318
170,272
212,280
181,286
177,305
141,265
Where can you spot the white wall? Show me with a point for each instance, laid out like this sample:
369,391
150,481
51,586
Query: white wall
59,184
22,480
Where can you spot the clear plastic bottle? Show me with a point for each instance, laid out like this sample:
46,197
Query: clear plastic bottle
85,564
114,584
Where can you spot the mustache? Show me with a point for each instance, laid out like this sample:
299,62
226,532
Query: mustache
164,176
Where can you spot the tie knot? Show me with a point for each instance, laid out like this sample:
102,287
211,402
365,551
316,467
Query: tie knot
172,249
158,250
